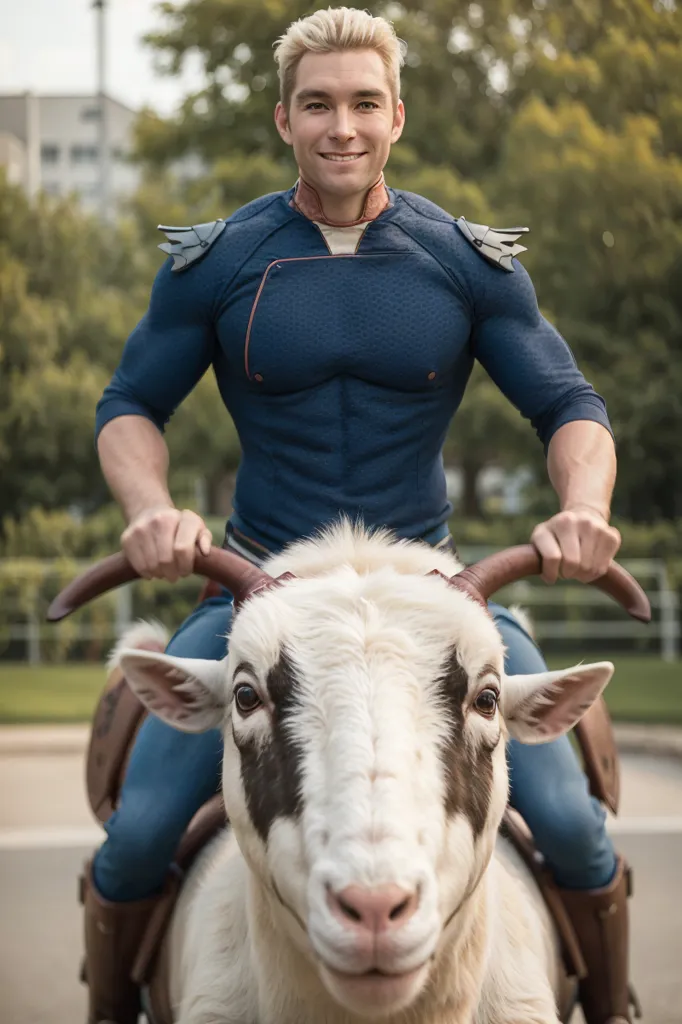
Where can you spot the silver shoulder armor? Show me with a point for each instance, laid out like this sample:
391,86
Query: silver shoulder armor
187,245
496,245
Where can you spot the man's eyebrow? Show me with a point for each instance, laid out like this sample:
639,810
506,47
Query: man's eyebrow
320,94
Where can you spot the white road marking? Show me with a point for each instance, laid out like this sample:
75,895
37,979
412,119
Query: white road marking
646,826
50,838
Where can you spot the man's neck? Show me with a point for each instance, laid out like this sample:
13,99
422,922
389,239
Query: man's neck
338,211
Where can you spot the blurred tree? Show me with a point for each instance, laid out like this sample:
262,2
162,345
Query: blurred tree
67,292
70,293
606,259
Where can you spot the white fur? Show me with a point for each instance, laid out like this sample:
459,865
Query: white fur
253,938
146,636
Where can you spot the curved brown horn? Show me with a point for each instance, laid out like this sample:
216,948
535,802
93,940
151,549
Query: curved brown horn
239,576
484,578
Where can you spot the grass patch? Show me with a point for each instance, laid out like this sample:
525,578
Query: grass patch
49,693
643,689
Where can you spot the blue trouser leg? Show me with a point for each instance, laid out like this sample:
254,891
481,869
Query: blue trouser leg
170,775
549,788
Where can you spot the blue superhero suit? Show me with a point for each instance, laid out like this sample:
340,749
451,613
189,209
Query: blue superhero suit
342,373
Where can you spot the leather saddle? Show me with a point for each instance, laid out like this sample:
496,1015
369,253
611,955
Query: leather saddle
116,722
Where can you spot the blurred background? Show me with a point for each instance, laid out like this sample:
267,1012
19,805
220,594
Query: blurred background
118,115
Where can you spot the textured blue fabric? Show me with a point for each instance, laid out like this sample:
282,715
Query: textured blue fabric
171,774
549,789
342,373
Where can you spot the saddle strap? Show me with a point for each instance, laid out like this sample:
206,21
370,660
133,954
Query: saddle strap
597,743
117,718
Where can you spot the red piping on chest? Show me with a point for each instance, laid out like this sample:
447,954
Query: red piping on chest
275,263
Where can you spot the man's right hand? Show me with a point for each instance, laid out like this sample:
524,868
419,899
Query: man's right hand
161,542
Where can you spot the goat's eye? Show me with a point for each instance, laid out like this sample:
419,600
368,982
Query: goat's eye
486,702
246,699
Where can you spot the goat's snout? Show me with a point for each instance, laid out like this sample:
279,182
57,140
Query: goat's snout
382,909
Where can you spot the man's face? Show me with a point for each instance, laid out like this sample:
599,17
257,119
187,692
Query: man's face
341,122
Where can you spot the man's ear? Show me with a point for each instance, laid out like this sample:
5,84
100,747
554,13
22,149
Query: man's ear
541,707
187,693
282,123
398,122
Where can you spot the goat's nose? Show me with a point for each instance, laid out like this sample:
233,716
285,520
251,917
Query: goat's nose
373,910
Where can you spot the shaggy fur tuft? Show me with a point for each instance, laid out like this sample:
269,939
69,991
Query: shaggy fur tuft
524,618
350,544
142,636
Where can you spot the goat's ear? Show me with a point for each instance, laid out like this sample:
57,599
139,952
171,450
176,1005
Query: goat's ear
187,693
541,707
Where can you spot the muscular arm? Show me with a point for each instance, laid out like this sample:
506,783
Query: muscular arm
532,364
159,540
134,460
581,462
166,355
578,542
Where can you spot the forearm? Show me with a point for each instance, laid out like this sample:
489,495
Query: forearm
581,462
134,460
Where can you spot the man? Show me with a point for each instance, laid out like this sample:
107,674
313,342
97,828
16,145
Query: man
342,319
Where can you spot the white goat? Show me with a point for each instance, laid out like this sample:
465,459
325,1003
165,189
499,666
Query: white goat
365,708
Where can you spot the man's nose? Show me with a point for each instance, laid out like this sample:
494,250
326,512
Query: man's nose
342,128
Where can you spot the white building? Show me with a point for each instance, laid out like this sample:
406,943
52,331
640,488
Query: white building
52,143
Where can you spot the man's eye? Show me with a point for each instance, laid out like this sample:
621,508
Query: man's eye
246,699
368,103
314,106
486,703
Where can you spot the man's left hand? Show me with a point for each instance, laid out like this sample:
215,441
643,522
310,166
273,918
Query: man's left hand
576,544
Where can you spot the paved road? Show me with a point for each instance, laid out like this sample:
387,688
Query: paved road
46,832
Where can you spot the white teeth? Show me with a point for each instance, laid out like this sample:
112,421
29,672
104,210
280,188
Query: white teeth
344,158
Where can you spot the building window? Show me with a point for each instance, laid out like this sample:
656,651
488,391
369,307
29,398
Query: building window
84,154
90,114
52,188
49,153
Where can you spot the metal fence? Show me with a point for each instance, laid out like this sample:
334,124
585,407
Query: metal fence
564,616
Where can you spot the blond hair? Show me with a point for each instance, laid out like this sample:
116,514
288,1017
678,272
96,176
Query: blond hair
334,29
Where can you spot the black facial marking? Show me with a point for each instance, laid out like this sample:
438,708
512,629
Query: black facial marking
271,772
469,773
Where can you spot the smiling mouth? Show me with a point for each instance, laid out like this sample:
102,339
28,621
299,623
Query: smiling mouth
373,976
343,158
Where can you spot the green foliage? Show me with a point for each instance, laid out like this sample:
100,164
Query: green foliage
43,534
71,290
69,294
662,539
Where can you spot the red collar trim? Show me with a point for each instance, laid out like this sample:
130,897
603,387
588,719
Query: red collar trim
307,201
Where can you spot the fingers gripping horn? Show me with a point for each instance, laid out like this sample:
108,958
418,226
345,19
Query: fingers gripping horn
240,577
481,580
